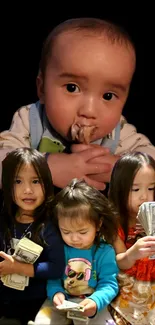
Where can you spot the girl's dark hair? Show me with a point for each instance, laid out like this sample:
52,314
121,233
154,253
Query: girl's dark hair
121,182
10,168
80,200
87,26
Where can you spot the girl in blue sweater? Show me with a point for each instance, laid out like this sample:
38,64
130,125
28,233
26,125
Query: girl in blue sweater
27,194
84,217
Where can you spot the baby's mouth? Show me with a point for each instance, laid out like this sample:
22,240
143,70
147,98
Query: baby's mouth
82,133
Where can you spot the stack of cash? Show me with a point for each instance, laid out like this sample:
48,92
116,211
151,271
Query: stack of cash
146,217
69,305
26,251
74,310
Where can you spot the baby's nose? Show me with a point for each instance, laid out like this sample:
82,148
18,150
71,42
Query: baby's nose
88,108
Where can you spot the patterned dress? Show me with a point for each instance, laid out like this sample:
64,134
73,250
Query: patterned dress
135,303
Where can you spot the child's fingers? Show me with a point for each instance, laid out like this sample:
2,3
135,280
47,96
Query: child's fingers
147,246
147,250
6,256
149,239
58,299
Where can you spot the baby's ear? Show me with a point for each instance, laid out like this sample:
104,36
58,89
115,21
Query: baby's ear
40,87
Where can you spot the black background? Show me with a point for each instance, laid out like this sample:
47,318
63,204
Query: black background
23,32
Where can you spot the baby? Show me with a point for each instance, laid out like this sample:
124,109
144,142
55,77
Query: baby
85,73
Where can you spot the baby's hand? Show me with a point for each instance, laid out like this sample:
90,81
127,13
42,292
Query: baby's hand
102,160
144,247
58,299
90,307
64,167
106,159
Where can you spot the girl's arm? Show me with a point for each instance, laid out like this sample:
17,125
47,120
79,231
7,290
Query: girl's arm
51,263
144,247
121,254
107,285
54,287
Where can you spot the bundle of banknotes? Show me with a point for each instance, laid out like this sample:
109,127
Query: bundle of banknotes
69,305
74,310
146,217
26,251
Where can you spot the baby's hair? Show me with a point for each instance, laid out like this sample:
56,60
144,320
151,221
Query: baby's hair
81,200
121,182
87,26
10,167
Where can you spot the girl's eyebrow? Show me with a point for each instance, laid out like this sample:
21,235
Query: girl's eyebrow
82,229
32,177
137,184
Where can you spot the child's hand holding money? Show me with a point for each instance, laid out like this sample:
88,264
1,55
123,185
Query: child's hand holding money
11,266
90,307
7,265
58,299
144,247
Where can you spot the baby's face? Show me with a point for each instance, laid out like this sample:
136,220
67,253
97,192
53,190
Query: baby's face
86,83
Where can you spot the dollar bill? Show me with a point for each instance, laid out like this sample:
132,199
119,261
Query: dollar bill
77,315
69,305
26,251
14,281
146,217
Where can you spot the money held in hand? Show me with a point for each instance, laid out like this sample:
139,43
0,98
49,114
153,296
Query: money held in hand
146,217
26,251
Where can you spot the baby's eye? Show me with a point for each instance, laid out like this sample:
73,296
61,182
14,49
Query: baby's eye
84,232
151,188
108,96
72,88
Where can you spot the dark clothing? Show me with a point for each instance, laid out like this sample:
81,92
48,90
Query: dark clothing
22,311
50,265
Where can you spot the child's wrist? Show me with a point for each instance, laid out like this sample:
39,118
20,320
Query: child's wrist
15,267
130,256
23,269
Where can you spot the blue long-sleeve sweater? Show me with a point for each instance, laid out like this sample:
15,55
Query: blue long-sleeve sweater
50,264
90,272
